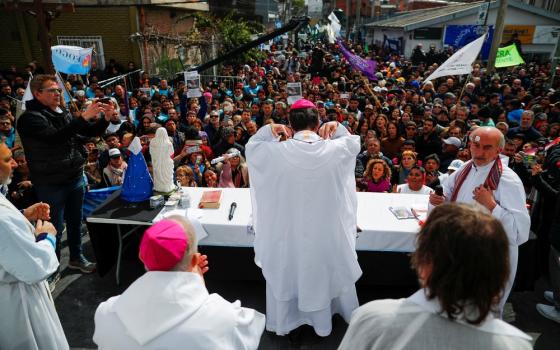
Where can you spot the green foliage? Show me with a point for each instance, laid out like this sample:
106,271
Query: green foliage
231,32
167,67
298,6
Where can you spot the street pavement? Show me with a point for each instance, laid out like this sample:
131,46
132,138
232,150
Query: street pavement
77,297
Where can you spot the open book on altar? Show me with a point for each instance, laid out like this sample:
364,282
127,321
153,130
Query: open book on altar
402,213
210,199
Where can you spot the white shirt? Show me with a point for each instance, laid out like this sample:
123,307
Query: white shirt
416,323
112,128
303,194
510,209
404,188
173,310
28,317
510,196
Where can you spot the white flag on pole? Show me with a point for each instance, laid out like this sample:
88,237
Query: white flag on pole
27,95
461,61
333,29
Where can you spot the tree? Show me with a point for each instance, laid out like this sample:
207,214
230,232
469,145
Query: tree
298,7
230,33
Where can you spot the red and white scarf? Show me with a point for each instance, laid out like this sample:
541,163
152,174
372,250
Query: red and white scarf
492,180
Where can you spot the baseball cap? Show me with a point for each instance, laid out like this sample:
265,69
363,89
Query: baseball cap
114,152
453,141
163,245
455,164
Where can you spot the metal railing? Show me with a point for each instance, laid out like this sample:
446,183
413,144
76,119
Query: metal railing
228,81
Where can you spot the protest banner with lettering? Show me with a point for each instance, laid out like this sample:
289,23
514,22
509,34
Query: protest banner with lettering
461,61
71,59
459,35
508,56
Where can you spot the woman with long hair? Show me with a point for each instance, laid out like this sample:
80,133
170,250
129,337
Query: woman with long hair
408,160
380,125
185,176
391,145
234,170
377,176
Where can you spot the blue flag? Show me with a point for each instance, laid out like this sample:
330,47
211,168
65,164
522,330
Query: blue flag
71,59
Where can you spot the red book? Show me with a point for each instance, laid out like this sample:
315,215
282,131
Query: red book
210,199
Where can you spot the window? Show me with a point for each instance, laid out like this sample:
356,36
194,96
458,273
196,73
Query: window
428,33
86,41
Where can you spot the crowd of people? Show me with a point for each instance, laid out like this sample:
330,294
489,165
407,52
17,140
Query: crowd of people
415,137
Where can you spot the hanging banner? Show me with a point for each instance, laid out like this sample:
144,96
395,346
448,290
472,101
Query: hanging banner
482,13
461,61
508,56
458,36
367,67
546,35
524,33
71,59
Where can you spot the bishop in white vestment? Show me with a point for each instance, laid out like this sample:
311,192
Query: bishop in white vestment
304,203
169,307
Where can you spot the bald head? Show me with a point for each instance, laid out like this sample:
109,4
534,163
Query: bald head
7,164
486,145
492,132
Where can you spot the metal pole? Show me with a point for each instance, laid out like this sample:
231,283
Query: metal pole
498,32
347,19
555,59
487,12
358,13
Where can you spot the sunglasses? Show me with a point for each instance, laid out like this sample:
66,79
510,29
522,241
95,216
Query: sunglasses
53,90
5,123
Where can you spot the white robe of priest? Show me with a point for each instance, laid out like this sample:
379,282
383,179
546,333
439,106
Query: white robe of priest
304,203
28,317
173,310
511,209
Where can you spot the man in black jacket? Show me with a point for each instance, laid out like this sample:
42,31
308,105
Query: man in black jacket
56,158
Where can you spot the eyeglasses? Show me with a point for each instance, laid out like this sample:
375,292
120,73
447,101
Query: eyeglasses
411,128
5,123
53,90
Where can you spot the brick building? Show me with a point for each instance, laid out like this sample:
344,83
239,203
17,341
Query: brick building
105,25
